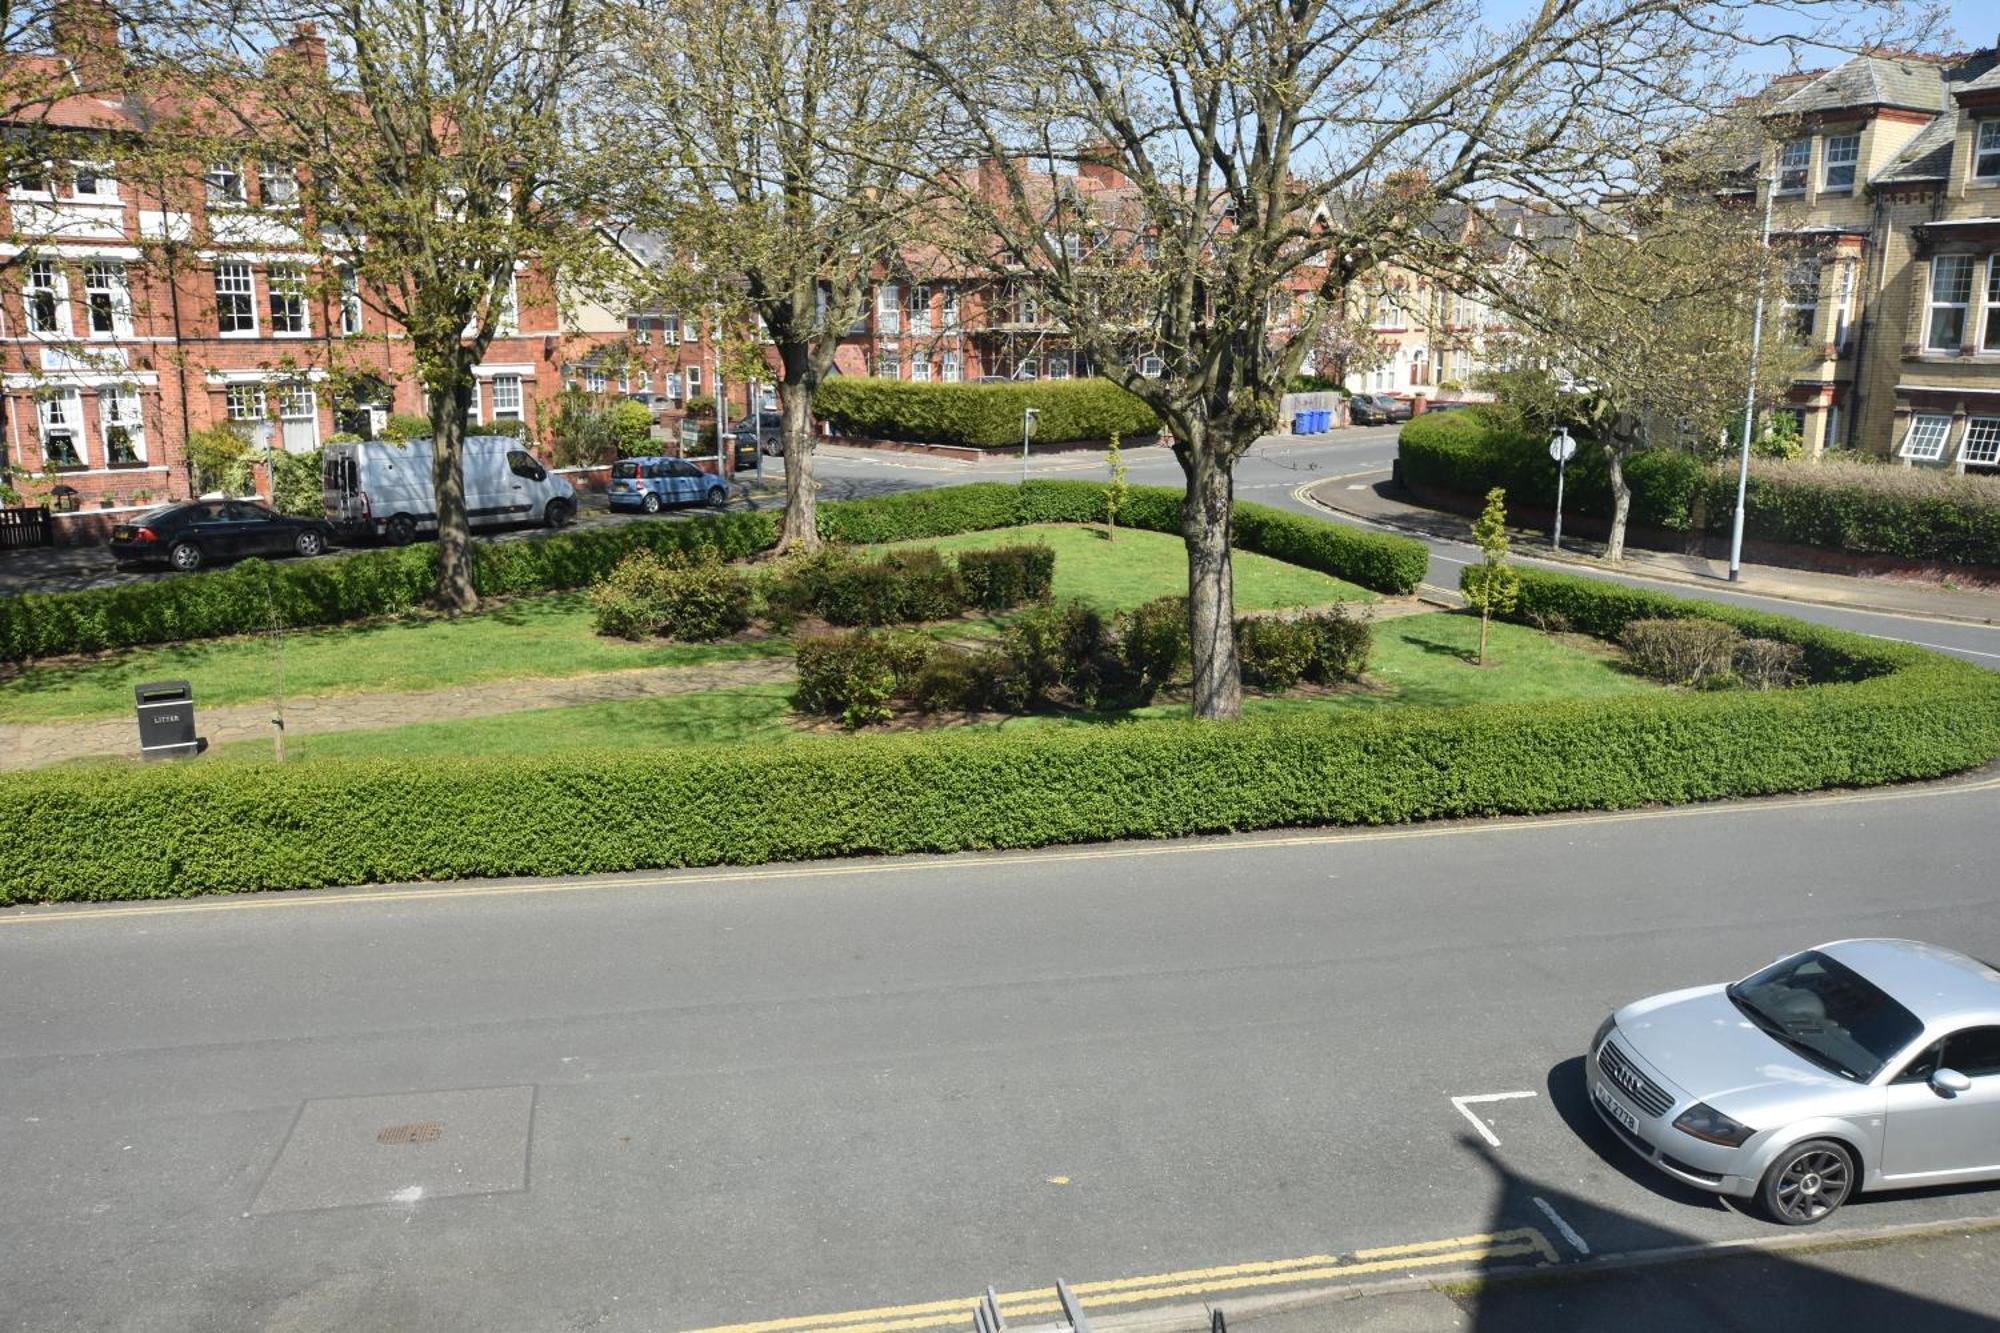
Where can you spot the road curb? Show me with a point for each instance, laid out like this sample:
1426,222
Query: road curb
1304,494
1193,1316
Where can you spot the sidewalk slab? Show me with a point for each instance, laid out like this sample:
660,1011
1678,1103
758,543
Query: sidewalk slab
1382,505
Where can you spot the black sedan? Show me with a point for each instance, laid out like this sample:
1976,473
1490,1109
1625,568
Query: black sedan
189,535
1378,409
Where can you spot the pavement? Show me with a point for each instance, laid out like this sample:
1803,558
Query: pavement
1374,500
850,1095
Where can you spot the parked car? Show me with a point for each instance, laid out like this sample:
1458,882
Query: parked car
651,484
381,489
195,533
768,430
1377,409
1858,1065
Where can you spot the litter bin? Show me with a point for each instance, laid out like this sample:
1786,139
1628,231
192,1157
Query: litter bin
166,720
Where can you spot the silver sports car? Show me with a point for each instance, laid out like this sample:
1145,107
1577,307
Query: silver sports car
1860,1065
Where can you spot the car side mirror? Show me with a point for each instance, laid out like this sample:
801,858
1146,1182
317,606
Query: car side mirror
1949,1083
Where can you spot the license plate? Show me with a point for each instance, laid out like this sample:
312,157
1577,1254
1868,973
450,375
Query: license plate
122,533
1618,1113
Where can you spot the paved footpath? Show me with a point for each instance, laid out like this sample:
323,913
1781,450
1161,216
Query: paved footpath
36,744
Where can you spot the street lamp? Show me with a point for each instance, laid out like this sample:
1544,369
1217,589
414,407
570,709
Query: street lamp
1029,416
1750,398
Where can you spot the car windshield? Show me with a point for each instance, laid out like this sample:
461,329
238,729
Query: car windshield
625,468
1827,1012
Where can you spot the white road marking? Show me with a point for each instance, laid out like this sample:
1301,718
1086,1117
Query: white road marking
409,1195
1465,1105
1568,1231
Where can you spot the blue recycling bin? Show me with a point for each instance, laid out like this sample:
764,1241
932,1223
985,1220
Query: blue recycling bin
1325,420
1301,423
1318,421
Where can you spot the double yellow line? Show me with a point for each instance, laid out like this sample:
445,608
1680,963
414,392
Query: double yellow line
1522,1243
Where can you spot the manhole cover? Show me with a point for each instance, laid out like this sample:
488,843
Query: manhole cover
425,1131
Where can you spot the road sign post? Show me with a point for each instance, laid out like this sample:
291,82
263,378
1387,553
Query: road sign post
1562,448
1029,416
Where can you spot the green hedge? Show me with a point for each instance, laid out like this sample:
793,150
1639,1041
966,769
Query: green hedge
1861,508
160,831
252,595
983,416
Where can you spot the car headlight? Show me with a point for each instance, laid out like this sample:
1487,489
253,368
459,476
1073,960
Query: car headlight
1704,1122
1604,1030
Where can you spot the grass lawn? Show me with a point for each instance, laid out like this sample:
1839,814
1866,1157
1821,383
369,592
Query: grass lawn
1139,566
543,637
1418,660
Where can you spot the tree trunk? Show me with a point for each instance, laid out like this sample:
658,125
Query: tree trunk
1207,526
449,410
1621,502
1485,619
800,530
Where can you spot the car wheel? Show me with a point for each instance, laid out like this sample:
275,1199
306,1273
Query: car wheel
556,513
651,504
401,531
309,543
717,497
185,556
1807,1183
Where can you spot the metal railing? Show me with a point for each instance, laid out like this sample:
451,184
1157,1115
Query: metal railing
21,528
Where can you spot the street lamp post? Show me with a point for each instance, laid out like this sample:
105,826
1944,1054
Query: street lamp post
1029,416
1750,398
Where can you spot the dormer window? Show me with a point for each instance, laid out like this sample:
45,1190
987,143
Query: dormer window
1986,154
1793,161
1842,155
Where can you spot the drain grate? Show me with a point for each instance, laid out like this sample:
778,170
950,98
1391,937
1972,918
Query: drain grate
424,1131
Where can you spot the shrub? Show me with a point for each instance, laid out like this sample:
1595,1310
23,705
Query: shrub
160,831
693,598
984,416
1767,664
630,426
900,587
948,682
512,427
851,676
1341,645
1007,576
220,460
1688,651
1276,653
1064,648
374,583
407,426
1155,638
295,482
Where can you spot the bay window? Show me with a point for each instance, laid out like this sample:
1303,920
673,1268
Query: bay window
1986,153
1951,294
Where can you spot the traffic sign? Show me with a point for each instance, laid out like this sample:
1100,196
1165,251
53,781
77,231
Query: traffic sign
1562,448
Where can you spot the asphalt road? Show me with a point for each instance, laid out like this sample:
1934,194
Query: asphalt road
680,1101
1276,468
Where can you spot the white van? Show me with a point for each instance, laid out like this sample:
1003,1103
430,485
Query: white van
379,489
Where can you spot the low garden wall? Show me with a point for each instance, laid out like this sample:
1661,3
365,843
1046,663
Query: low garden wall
1834,513
1885,712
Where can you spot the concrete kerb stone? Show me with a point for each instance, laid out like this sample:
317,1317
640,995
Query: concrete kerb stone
1197,1315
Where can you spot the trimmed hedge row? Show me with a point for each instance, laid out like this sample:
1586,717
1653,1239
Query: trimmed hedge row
163,831
982,416
1865,509
253,595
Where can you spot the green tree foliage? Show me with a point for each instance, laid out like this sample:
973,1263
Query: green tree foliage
1115,493
1492,586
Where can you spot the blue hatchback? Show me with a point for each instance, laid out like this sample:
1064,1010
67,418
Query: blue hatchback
651,484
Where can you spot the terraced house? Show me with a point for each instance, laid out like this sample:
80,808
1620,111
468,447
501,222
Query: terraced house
142,307
1884,177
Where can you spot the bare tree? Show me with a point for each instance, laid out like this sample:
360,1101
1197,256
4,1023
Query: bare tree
428,150
772,146
1264,146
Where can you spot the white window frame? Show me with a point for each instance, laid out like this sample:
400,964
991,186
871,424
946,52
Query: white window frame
287,180
503,387
104,186
920,369
1935,307
1840,160
50,277
246,402
953,370
222,185
594,381
1990,337
888,365
291,317
1843,322
920,308
1986,151
1028,369
672,387
1794,166
670,329
692,379
1152,366
1058,367
297,402
1925,440
234,272
1981,445
60,412
351,316
948,316
1028,310
107,278
889,308
1801,314
119,405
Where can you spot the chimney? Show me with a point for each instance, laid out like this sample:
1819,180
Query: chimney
305,48
1100,162
85,33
